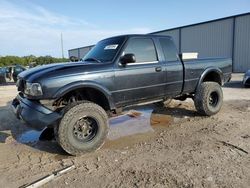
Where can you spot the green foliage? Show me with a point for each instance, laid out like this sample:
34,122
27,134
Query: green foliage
27,60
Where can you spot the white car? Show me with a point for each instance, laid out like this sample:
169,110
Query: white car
246,79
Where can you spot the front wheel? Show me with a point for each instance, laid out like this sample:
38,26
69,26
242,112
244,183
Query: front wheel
208,98
83,128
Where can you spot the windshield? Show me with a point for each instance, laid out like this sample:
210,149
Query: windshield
18,69
105,50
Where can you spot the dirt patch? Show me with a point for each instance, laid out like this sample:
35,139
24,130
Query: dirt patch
161,147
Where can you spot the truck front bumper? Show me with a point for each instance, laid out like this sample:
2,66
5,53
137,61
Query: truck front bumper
33,113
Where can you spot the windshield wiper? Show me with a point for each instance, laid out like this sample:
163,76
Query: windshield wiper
92,59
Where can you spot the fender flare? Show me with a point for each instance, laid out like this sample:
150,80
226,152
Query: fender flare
85,84
209,70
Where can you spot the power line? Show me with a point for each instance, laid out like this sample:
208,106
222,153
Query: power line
62,45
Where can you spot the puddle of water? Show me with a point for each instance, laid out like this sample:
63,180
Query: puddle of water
33,136
30,136
126,125
125,130
160,120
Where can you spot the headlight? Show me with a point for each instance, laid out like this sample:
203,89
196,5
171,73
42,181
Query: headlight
33,89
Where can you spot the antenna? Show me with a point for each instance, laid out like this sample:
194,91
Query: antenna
62,45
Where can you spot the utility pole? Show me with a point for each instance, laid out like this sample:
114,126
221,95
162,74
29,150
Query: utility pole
62,45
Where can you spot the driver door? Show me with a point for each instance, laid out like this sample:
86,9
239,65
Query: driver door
142,80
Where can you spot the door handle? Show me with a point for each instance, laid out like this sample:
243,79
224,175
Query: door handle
158,69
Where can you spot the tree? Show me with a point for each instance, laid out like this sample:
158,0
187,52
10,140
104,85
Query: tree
26,60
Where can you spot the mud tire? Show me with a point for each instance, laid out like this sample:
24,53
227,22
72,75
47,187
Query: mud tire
208,98
72,114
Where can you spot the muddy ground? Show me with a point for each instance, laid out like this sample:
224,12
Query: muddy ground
164,147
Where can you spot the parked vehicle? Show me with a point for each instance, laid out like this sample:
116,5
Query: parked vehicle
9,71
13,70
76,98
2,75
16,70
246,79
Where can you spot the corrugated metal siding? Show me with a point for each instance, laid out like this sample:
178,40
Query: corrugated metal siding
73,52
242,44
209,40
80,52
83,51
173,33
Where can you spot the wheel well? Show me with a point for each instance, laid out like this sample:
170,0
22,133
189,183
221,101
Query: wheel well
212,77
86,93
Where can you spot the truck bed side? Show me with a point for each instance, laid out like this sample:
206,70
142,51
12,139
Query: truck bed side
194,70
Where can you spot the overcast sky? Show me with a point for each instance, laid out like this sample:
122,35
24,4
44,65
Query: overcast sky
34,27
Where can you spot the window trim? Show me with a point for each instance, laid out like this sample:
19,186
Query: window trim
143,63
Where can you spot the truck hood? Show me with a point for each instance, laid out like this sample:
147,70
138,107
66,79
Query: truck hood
36,72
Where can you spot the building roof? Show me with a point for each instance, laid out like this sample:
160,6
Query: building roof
219,19
90,46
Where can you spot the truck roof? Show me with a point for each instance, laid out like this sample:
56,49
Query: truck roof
139,35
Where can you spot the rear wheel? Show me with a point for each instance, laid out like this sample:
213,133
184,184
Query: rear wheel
208,98
83,128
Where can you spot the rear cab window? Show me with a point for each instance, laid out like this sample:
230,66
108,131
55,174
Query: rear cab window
169,49
143,49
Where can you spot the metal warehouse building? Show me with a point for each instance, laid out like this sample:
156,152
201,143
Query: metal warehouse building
225,37
80,52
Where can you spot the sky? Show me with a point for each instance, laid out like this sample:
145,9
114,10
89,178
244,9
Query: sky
35,26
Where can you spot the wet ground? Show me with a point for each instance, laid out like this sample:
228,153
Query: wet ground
132,126
147,146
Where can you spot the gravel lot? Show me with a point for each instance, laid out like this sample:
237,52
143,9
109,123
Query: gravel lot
164,147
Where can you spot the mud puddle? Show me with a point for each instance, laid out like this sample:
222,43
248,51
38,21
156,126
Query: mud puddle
133,122
33,136
134,126
30,136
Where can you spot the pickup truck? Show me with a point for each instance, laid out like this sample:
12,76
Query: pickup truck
77,98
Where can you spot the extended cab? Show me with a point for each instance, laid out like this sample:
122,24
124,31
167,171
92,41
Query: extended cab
75,98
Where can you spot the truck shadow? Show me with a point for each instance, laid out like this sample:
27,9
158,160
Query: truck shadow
8,83
3,137
234,84
147,119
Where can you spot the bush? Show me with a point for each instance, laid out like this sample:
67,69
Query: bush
26,60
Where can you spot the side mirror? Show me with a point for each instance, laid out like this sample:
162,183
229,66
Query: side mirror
127,58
